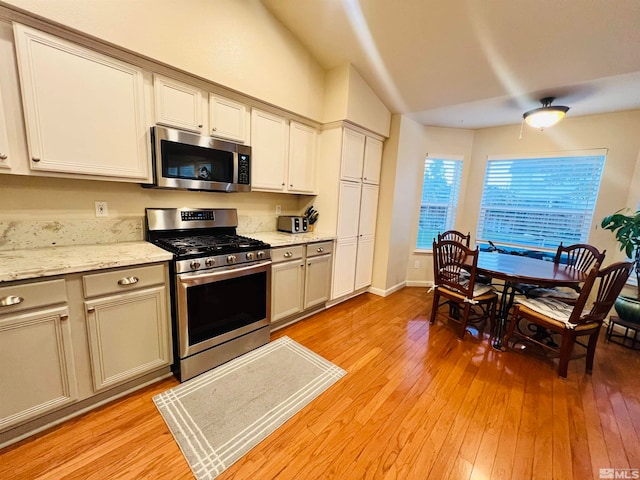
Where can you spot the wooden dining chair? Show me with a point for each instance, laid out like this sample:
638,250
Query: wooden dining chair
581,256
569,321
474,302
455,236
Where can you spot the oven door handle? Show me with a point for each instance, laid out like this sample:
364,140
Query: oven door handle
197,278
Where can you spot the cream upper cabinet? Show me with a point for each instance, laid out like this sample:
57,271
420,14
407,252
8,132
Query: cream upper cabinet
352,155
283,155
372,161
5,157
177,104
269,151
301,176
228,119
84,111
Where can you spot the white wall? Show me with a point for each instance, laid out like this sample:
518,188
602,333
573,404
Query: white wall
618,132
396,206
443,141
348,97
235,43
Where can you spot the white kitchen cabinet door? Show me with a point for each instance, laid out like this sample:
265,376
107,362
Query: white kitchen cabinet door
364,261
352,155
38,374
269,151
301,176
317,278
84,111
287,281
177,104
5,157
368,210
344,267
228,119
349,210
372,161
128,335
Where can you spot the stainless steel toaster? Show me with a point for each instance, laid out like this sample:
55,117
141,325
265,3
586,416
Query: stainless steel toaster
292,224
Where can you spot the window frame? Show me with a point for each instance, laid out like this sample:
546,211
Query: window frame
454,206
586,215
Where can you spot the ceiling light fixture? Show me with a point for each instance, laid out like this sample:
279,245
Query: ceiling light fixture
545,116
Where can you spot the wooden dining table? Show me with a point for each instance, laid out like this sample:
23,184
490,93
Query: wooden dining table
515,269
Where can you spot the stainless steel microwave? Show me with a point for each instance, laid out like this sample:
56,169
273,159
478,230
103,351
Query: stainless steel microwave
184,160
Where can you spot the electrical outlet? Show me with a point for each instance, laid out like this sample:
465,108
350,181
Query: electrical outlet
101,209
278,209
416,264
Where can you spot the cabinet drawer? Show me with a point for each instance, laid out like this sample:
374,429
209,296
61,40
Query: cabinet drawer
286,253
320,248
122,280
32,295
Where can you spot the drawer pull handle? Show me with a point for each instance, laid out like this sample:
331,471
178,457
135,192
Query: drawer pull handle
91,309
287,254
3,156
64,317
319,249
123,282
35,159
10,300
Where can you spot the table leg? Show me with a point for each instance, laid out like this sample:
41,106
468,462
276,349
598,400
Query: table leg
506,302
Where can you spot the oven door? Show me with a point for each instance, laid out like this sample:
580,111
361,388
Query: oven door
220,305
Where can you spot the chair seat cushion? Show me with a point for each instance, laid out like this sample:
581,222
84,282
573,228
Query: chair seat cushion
549,307
557,292
479,289
481,292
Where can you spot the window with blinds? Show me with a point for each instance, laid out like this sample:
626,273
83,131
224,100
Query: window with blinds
540,201
440,188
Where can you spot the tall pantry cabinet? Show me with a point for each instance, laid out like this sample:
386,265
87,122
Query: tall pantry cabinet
356,208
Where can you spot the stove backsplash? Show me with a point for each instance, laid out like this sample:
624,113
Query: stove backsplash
18,234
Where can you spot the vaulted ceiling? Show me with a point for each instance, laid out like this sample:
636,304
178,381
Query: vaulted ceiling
478,63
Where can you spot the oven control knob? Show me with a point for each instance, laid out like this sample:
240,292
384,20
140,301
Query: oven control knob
194,264
210,262
250,256
260,254
231,259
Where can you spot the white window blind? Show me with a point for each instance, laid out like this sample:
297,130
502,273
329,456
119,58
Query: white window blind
540,201
440,188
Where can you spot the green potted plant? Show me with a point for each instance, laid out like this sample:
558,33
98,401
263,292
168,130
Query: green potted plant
626,227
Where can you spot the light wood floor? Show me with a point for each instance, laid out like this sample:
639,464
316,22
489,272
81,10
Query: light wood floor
417,403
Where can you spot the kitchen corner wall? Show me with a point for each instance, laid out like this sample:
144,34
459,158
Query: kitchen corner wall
237,44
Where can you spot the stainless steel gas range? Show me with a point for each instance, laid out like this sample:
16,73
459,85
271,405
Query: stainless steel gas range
221,284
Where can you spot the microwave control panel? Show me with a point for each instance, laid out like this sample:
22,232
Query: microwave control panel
243,169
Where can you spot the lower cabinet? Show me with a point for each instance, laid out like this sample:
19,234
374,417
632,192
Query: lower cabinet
36,352
53,356
287,282
318,274
128,328
300,279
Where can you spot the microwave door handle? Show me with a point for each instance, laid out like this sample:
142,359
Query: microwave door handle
235,168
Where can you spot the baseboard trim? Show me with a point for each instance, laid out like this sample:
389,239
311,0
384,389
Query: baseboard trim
419,283
385,293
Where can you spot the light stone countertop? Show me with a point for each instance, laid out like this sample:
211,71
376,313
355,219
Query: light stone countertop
49,261
282,239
